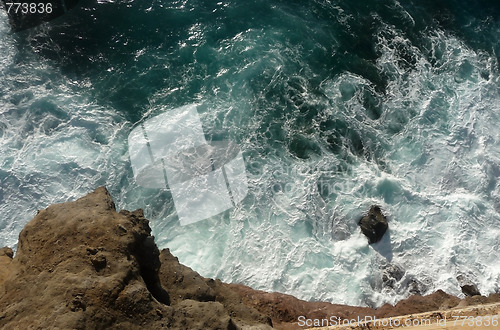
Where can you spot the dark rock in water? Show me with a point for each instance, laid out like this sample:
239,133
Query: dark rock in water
394,277
470,290
82,265
374,224
415,287
392,274
468,287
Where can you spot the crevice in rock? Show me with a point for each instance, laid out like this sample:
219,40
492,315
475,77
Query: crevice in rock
147,255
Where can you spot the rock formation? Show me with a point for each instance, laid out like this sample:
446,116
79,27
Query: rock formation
82,265
374,224
469,289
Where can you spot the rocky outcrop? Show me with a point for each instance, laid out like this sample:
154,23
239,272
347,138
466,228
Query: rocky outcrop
285,309
185,285
374,224
82,265
469,289
392,274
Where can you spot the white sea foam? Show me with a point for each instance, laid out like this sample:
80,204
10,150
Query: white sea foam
437,180
55,144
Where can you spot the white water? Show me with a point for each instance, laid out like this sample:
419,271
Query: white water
431,161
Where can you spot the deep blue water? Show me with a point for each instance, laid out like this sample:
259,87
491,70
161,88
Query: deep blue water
336,105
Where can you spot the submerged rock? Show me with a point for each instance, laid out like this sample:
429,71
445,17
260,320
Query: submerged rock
393,279
391,274
470,290
374,224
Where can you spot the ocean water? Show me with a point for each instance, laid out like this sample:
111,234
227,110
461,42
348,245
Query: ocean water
336,105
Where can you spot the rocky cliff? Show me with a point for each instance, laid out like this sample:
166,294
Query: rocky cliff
83,265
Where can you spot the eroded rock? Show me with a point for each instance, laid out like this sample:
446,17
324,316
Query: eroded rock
374,224
82,265
6,255
391,274
73,269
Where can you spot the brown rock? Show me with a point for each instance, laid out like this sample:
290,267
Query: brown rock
419,304
82,265
6,252
285,309
182,281
469,289
185,284
59,282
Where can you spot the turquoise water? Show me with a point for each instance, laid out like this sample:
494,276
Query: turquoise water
336,105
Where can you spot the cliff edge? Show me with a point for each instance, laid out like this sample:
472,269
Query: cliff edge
83,265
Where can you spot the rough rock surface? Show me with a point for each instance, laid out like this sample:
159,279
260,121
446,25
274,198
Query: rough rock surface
285,309
82,265
185,285
6,255
374,224
391,274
